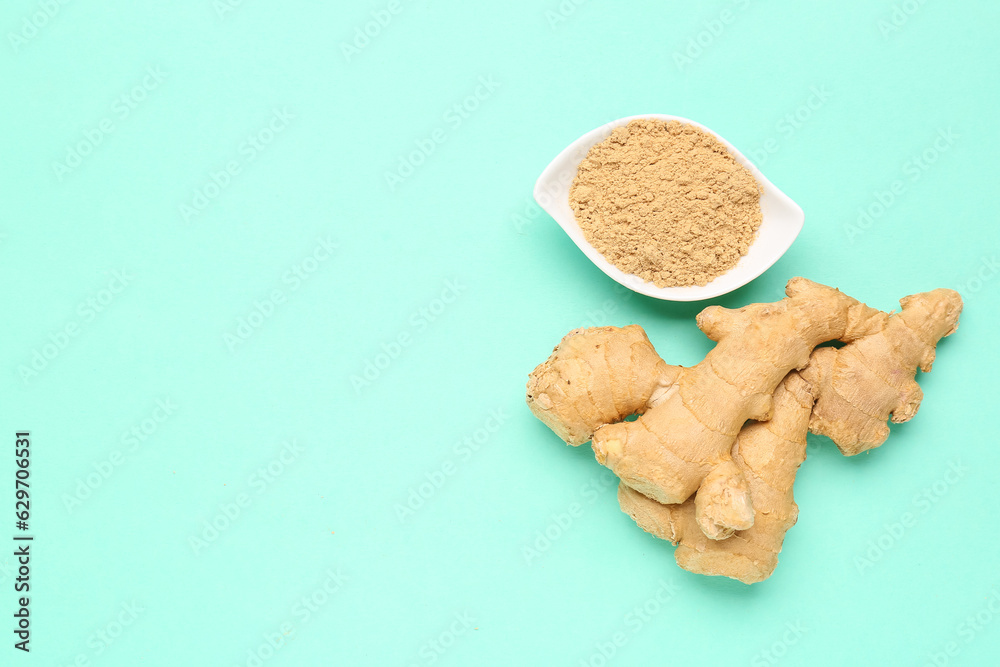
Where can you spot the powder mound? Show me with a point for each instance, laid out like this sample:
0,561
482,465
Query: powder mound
666,202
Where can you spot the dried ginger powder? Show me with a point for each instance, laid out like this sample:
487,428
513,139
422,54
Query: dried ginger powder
666,202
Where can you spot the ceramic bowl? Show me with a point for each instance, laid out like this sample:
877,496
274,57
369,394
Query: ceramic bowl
782,219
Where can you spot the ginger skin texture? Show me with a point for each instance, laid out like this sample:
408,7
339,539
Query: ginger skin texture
694,414
865,382
768,454
692,472
689,432
595,377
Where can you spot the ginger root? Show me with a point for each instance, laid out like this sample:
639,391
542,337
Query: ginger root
868,380
768,454
595,377
694,414
691,472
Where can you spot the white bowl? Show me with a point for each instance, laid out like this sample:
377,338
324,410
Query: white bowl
781,223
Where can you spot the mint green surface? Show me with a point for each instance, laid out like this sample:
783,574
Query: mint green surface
403,518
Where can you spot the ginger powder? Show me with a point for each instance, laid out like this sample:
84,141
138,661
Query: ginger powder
667,202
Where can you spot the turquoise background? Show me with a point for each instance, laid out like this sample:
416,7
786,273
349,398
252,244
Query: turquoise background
464,285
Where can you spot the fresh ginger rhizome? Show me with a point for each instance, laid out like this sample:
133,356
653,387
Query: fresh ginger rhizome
691,469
